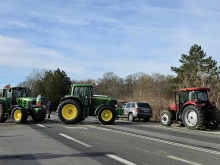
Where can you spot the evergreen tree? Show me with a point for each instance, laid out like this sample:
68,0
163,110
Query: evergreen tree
56,85
196,69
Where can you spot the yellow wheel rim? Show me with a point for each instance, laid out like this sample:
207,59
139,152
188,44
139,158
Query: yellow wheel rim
17,115
106,115
69,112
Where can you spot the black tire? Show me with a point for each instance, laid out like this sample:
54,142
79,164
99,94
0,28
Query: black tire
193,117
216,122
166,118
39,117
69,111
19,115
81,119
146,119
2,118
106,115
131,117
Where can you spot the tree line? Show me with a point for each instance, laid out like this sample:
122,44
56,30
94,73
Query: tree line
196,70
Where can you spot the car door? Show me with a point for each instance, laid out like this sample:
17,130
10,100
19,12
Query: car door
127,109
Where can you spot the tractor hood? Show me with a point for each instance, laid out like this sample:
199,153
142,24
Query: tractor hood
27,98
103,99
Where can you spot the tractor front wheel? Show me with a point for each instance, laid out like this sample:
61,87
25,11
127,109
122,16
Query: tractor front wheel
106,115
69,111
19,115
39,117
166,118
193,117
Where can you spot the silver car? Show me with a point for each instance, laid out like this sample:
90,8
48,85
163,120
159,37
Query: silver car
140,110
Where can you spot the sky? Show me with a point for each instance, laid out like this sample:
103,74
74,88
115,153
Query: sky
88,38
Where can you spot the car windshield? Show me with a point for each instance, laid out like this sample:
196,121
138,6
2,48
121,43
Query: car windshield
143,105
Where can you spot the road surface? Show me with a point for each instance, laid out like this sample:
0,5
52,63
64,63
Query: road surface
134,143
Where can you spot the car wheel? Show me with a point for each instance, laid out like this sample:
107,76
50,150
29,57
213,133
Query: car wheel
131,117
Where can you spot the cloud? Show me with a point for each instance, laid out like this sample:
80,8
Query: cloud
17,53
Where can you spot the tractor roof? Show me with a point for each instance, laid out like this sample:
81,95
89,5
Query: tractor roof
194,89
81,85
12,87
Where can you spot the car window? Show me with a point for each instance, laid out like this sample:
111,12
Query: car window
133,105
128,105
143,105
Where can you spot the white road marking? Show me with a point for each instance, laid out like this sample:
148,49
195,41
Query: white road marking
120,159
183,160
41,126
184,128
73,127
75,140
158,140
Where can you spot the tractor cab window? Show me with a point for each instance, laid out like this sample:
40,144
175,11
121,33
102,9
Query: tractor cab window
83,93
192,95
19,92
6,92
183,97
202,96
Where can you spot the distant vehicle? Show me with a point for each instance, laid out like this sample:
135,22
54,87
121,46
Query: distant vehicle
133,110
193,109
16,103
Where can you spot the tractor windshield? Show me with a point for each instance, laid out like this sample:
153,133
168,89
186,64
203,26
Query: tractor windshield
19,92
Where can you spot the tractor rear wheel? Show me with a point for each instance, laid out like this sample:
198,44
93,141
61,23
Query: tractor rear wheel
2,118
216,123
69,111
81,118
193,117
166,118
106,115
39,117
19,115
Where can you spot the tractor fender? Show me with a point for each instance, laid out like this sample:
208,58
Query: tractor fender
12,108
191,103
96,110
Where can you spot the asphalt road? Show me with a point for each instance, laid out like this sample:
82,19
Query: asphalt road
90,143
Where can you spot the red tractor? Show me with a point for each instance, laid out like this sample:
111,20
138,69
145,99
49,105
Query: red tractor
194,110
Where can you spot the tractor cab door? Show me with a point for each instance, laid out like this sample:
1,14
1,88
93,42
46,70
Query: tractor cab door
183,98
7,93
84,93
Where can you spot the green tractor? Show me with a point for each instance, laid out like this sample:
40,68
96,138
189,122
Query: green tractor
16,103
82,103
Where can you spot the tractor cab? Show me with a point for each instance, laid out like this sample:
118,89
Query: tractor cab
193,96
13,93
